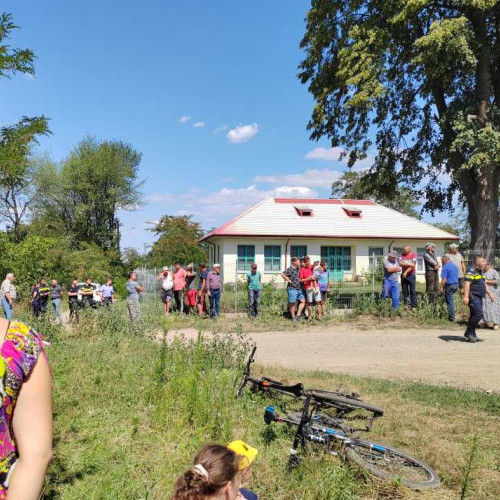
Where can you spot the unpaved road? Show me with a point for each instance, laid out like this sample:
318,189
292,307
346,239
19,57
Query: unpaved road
435,356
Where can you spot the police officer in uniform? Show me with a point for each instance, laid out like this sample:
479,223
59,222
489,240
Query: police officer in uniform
73,291
87,291
40,298
474,293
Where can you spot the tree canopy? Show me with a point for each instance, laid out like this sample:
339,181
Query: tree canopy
419,80
178,241
86,192
354,185
17,139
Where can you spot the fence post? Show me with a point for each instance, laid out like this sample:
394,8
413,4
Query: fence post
374,266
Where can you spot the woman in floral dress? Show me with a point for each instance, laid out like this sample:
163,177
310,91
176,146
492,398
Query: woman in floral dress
25,412
492,309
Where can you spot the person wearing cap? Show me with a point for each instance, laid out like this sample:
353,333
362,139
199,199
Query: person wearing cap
167,286
190,289
254,281
214,290
449,284
459,261
390,287
431,271
218,473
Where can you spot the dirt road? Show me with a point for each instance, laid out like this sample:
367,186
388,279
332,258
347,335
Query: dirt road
431,355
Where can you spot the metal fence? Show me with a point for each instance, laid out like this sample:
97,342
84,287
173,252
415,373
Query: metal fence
344,295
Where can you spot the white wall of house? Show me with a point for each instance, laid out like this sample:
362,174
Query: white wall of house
224,250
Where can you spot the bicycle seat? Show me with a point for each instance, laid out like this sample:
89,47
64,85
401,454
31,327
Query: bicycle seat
297,390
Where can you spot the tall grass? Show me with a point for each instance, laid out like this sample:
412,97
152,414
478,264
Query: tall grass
132,408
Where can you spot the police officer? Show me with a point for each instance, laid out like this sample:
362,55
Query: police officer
87,291
73,291
40,298
474,293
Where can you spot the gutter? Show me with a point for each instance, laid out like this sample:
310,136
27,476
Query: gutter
286,251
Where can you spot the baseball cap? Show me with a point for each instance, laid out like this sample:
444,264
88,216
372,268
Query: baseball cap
428,245
245,451
453,245
215,265
392,254
165,268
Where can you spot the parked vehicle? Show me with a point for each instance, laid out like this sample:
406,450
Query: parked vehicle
96,297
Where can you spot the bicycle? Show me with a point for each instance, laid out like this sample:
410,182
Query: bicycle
343,403
379,460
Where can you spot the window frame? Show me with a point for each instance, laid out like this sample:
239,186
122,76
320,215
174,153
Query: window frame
272,260
298,246
371,264
345,256
247,259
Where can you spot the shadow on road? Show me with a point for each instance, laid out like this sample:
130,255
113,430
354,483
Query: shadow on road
454,338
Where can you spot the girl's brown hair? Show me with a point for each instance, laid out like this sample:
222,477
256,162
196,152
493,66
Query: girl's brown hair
221,465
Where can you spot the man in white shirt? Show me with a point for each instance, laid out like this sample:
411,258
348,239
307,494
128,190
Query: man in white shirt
167,286
8,294
458,260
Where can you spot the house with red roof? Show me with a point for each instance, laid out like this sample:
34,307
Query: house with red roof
351,235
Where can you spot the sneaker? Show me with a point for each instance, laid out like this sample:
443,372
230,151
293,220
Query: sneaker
495,327
478,339
295,320
471,338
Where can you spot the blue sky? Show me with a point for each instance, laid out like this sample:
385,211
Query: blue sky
207,91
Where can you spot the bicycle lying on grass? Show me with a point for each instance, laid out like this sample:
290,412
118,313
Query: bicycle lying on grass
325,421
342,402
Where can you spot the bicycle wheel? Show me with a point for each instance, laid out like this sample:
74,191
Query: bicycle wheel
392,465
344,402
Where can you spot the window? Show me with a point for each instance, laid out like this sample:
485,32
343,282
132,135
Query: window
272,258
304,211
375,254
398,250
246,257
298,251
353,212
420,260
337,258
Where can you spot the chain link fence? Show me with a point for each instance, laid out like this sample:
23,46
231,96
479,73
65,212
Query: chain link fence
343,295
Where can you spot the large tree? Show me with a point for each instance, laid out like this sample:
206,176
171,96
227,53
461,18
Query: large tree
178,240
89,188
17,139
354,185
419,79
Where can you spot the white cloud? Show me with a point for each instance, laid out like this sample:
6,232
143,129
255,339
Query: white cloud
310,178
331,154
218,130
242,133
184,119
219,206
199,124
228,179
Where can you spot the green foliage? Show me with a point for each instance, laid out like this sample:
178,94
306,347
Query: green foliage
357,186
178,241
87,190
132,259
418,81
13,60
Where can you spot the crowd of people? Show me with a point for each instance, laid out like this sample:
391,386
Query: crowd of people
478,285
80,296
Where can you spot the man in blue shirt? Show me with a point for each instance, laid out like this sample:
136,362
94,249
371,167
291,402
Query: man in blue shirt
474,293
449,284
390,288
107,293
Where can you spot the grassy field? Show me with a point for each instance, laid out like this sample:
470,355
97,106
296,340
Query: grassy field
130,413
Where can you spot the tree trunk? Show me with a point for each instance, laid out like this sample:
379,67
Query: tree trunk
482,196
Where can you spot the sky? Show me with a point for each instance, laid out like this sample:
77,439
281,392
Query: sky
206,91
